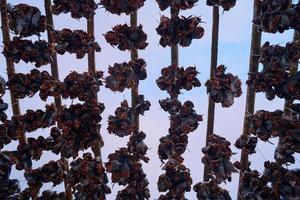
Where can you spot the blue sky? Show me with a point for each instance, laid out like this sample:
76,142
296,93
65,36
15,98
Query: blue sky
234,47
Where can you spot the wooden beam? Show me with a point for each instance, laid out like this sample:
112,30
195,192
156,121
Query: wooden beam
250,98
55,75
9,62
92,68
294,69
213,66
174,48
135,90
54,65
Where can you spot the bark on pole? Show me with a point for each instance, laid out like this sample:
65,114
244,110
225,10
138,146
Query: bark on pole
250,98
10,72
174,48
54,65
135,90
9,62
92,68
213,66
55,75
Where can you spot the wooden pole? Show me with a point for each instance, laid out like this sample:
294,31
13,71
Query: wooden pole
250,98
135,90
55,75
10,72
9,62
294,68
213,66
54,65
92,68
174,48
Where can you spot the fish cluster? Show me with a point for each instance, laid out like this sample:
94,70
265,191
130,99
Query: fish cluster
171,148
53,171
122,165
118,7
126,75
51,195
282,56
176,181
175,4
142,105
77,8
247,142
77,41
3,108
226,4
2,86
137,187
22,195
255,186
217,155
288,145
31,121
87,176
275,79
122,123
290,89
125,164
265,124
170,105
27,85
284,181
211,190
179,30
40,52
80,125
137,146
25,20
83,86
59,144
9,187
186,120
278,16
126,168
174,78
223,88
37,146
21,157
295,108
127,37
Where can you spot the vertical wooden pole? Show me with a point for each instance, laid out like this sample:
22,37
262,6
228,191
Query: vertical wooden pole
55,75
213,66
174,48
91,54
9,62
54,65
135,90
294,68
10,72
250,98
92,68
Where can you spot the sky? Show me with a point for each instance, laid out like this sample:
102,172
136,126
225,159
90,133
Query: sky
234,48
